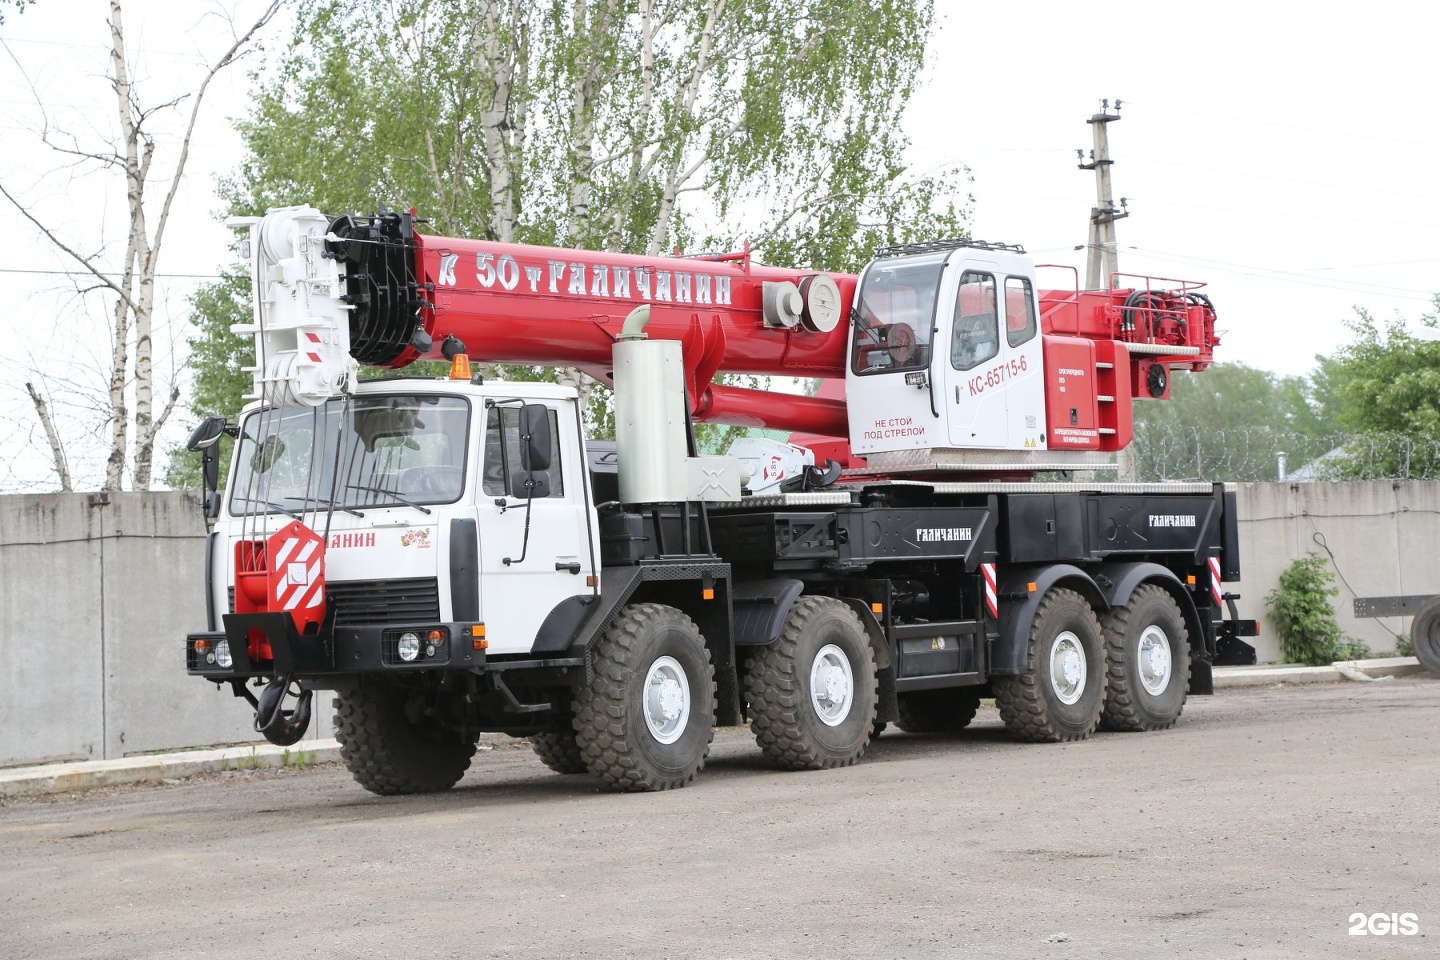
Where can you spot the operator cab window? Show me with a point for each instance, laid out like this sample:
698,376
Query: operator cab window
502,453
1019,311
976,333
894,314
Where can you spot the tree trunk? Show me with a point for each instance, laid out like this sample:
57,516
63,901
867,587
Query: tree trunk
56,450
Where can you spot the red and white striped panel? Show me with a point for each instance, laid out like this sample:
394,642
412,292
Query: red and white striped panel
301,582
1215,580
987,570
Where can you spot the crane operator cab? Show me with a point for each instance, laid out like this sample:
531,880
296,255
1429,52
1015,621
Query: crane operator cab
945,351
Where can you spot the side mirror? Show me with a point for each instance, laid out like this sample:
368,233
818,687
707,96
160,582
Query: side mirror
535,439
205,435
204,439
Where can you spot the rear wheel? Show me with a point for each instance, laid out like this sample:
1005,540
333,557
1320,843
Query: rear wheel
390,747
646,720
1147,659
938,711
1425,636
1060,695
812,693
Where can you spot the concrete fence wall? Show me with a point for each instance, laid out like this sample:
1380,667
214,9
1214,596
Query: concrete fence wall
1379,537
98,591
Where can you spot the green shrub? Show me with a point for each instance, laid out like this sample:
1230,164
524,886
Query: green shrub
1403,646
1301,609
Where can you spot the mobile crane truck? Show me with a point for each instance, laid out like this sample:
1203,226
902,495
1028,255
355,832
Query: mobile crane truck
449,556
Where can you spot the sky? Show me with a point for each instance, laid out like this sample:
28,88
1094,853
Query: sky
1284,157
1282,154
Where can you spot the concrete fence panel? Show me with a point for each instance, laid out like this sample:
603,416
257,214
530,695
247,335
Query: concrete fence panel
1378,538
97,592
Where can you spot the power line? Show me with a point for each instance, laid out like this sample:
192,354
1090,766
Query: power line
89,273
1327,217
1284,179
1287,126
1284,276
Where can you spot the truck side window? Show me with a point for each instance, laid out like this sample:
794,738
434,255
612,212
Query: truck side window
976,335
1019,311
502,453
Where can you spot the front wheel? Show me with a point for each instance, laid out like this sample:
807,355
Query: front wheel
390,747
646,720
1060,695
1147,655
812,693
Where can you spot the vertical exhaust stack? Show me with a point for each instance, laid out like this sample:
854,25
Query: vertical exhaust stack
651,435
650,414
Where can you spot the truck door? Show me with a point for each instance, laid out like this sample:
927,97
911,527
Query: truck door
994,389
524,578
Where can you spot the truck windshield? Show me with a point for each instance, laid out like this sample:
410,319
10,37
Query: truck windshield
352,453
894,314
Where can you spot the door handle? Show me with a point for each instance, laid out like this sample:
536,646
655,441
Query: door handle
572,567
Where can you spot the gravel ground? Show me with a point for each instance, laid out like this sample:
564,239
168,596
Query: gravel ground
1254,829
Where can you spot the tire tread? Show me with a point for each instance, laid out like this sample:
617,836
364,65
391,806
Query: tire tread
383,755
1122,710
775,693
1021,700
601,712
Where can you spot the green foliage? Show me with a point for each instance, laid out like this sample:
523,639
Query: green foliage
598,125
1386,387
299,759
1404,646
19,6
217,361
1228,423
1301,609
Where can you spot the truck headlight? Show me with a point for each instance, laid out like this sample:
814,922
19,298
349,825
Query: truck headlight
222,655
408,647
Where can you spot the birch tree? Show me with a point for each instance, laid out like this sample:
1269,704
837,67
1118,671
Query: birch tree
133,412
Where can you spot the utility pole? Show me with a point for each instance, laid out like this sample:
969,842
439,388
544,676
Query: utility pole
1100,260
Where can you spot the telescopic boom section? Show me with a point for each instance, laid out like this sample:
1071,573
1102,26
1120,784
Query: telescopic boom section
513,303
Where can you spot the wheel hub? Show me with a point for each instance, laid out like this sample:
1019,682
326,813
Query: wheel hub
1153,659
667,700
832,685
1068,672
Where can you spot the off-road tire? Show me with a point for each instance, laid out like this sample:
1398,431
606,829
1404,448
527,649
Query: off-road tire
784,715
388,753
611,730
1150,617
1030,704
559,751
938,711
1425,636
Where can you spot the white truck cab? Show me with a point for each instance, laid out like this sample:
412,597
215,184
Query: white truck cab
415,487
